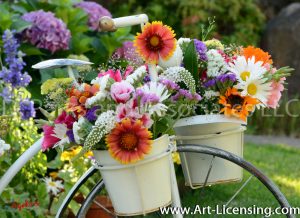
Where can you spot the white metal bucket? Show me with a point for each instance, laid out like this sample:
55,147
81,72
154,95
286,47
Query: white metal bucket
142,187
216,131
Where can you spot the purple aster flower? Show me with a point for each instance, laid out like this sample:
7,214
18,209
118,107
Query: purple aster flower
201,49
91,114
47,31
147,79
6,94
210,83
70,135
95,11
169,84
186,94
128,52
226,77
27,109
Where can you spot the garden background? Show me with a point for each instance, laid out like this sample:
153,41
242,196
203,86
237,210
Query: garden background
272,25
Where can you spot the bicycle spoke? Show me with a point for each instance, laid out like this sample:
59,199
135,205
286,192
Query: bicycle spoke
207,176
239,190
104,208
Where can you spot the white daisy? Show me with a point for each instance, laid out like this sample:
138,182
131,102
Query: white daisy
161,92
53,187
256,88
247,69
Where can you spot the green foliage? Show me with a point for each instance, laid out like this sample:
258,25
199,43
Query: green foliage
282,121
190,60
236,21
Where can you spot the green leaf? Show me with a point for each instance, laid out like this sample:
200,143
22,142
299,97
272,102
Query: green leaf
190,60
42,195
30,50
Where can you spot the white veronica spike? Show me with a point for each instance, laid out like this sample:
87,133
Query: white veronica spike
56,63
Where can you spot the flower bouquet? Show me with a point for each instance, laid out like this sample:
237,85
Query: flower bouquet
124,115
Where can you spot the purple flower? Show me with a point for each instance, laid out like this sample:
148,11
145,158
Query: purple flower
27,109
70,135
169,84
6,94
47,31
201,49
149,98
210,83
226,77
13,74
95,11
128,52
185,94
147,79
91,114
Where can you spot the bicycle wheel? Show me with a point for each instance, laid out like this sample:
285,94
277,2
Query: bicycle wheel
253,172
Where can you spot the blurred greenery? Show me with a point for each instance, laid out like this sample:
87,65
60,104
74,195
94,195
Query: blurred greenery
238,22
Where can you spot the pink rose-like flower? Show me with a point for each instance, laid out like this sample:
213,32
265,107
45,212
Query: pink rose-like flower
65,118
49,139
274,97
116,75
121,91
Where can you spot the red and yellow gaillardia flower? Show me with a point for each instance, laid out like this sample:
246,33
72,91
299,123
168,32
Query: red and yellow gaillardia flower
155,41
259,55
237,105
129,141
78,98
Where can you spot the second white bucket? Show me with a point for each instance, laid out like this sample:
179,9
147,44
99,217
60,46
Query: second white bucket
142,187
216,131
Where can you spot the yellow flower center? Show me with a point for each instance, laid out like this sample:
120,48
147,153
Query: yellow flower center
245,75
53,184
154,41
129,141
252,89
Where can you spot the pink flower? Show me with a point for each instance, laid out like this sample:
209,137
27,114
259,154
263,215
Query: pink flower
130,110
274,97
128,71
65,118
49,139
116,75
121,91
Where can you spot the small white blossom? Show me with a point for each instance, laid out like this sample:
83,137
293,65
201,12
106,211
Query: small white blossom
3,146
136,75
215,64
101,94
53,187
183,40
180,74
209,94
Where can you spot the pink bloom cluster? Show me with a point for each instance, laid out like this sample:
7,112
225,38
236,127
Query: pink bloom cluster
95,12
47,31
277,88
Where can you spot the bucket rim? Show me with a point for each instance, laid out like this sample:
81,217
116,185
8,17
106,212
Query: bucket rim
207,119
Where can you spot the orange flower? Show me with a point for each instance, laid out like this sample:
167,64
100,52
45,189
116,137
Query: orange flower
156,41
237,105
129,141
259,55
78,98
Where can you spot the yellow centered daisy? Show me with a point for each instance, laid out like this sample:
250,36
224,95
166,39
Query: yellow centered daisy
244,75
252,89
53,184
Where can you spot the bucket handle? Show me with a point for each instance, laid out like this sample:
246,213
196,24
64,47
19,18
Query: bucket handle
228,132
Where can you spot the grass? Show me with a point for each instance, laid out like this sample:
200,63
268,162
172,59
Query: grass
278,162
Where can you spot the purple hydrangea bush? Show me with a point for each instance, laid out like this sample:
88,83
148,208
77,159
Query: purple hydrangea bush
47,31
95,11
